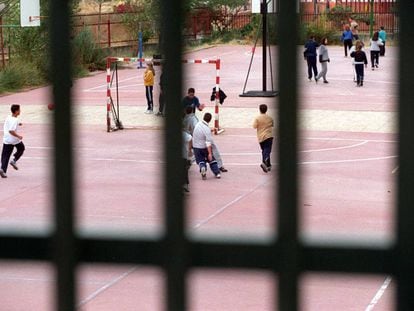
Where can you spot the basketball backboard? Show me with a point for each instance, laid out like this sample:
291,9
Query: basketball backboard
29,13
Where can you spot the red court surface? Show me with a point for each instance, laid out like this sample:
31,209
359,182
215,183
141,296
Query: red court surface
347,191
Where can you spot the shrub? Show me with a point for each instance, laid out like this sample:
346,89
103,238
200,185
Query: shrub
20,74
319,29
86,52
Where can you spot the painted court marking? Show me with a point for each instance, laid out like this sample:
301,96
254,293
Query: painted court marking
106,286
379,294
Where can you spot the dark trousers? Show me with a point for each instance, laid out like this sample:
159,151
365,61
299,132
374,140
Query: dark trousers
347,46
312,66
6,154
359,69
382,49
161,102
186,166
374,58
202,160
148,94
266,146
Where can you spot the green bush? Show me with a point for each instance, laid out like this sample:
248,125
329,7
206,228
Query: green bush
86,52
319,29
20,74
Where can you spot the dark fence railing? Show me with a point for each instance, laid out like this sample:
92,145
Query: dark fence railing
388,20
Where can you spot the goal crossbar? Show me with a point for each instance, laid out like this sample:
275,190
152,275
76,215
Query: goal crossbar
113,121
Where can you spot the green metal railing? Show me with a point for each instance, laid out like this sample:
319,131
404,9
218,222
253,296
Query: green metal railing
287,256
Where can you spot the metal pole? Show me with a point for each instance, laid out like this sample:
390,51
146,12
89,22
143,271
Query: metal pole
264,43
3,61
371,18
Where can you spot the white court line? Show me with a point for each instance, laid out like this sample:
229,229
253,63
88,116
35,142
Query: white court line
105,287
395,169
228,163
222,209
328,138
336,148
379,294
105,85
349,161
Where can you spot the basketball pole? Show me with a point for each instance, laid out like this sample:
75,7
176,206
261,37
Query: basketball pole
264,92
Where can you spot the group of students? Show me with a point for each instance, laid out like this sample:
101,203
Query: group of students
377,49
198,143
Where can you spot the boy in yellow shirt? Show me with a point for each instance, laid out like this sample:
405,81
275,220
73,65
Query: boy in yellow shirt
263,123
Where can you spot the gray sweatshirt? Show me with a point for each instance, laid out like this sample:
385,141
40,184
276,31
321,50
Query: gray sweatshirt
323,53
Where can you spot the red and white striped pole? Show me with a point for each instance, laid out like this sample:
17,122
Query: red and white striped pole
217,129
108,94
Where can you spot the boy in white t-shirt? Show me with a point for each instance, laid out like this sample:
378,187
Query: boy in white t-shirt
11,139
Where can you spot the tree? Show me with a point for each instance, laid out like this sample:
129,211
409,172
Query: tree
100,2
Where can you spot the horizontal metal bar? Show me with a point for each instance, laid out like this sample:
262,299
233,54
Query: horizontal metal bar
33,247
348,260
250,255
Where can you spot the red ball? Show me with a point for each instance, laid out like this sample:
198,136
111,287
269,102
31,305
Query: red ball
51,106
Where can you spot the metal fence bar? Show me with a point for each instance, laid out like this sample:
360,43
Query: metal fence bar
287,217
64,247
405,231
176,250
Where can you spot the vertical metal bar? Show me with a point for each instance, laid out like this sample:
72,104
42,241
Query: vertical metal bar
3,59
287,217
263,10
405,231
64,242
176,246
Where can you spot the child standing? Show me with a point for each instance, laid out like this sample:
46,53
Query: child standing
346,38
149,75
383,36
375,49
11,139
263,123
360,59
324,60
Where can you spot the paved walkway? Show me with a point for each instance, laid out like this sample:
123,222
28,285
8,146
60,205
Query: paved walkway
337,106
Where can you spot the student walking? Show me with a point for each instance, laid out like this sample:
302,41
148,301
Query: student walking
149,75
353,49
324,60
346,38
383,36
202,141
263,123
360,59
161,100
187,154
376,43
310,57
11,140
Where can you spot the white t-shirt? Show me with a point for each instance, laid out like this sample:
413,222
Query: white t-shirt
186,139
11,124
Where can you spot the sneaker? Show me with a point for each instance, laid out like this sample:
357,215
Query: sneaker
316,80
372,68
203,173
310,79
14,165
326,81
218,176
376,65
159,114
223,169
147,111
269,168
264,167
3,174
